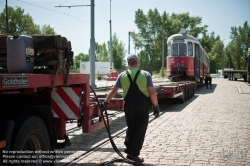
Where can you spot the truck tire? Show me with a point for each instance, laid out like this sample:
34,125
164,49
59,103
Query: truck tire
193,92
187,94
190,92
30,134
183,97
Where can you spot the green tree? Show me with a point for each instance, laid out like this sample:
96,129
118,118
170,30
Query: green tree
207,41
229,63
216,56
118,53
79,58
102,53
184,20
239,45
21,23
47,29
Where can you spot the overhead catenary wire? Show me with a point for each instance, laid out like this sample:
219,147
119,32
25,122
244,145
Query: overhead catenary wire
63,14
99,27
103,11
64,2
72,6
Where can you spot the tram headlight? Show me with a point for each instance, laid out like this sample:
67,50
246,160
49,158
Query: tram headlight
178,64
182,65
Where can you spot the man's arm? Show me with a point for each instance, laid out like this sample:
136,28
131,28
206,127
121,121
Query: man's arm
154,100
111,93
152,95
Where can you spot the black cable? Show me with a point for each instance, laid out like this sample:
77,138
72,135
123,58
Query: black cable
103,109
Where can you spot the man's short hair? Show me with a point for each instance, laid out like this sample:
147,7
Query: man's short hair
132,57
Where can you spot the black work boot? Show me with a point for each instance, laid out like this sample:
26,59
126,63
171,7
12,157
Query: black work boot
135,158
126,151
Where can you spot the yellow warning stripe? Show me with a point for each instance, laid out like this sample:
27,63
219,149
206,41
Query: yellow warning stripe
240,90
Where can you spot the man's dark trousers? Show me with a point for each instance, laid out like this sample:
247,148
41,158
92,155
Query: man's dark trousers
208,81
137,116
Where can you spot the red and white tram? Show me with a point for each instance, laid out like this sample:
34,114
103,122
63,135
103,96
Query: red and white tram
186,60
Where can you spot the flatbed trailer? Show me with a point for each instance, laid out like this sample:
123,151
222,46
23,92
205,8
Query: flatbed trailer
181,91
235,74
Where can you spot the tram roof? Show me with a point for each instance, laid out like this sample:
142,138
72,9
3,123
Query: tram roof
182,36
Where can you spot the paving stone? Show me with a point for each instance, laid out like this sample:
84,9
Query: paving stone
212,128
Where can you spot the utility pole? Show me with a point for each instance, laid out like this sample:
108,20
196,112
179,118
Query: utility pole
248,65
7,22
162,63
92,44
128,42
222,57
110,59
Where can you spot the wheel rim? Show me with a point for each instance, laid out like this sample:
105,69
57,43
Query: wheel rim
34,144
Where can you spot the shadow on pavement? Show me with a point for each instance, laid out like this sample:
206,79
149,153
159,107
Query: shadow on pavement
203,89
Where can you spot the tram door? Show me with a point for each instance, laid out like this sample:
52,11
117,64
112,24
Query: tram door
197,60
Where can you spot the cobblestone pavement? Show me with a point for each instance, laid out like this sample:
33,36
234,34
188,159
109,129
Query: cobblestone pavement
212,128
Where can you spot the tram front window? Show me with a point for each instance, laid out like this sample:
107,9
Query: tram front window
179,49
169,49
190,49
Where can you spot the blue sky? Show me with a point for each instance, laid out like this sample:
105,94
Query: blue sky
74,22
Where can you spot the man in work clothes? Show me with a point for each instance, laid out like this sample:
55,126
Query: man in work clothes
208,80
137,88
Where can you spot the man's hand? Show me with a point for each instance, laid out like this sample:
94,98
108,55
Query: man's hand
105,103
156,111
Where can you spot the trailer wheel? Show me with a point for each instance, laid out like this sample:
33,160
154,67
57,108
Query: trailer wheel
187,94
183,98
30,134
190,92
193,91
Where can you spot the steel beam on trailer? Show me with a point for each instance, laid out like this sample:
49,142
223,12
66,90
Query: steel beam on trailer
178,94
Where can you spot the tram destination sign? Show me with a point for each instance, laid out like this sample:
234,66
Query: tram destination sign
12,81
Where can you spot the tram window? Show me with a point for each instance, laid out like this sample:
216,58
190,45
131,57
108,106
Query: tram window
179,49
169,49
197,50
202,54
190,49
175,49
178,41
183,49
